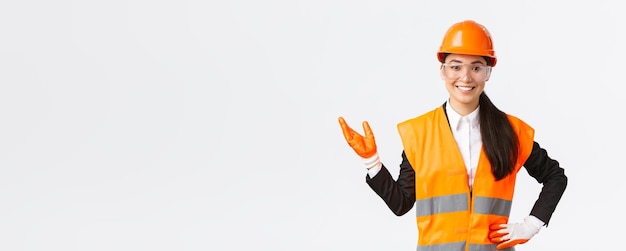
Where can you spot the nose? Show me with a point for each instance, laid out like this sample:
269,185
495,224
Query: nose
465,77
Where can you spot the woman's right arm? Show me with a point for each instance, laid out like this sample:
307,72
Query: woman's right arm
398,195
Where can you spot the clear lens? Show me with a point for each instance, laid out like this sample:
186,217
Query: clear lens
475,71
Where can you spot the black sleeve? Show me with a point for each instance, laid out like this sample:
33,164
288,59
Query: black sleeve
398,195
549,173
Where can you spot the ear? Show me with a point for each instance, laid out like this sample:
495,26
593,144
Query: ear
441,73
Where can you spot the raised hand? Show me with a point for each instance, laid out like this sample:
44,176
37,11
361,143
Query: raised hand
364,146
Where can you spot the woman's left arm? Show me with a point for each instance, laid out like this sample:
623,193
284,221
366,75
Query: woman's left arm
548,172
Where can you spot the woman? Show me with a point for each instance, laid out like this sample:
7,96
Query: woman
460,160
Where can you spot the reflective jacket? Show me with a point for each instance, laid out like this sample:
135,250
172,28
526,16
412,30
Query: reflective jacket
449,216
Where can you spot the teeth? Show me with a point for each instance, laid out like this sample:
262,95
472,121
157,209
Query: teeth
465,88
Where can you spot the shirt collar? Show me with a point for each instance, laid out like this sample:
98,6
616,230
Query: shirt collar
455,119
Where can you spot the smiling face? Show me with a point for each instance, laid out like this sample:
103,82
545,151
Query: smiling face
467,82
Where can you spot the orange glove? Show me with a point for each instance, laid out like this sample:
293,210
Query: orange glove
363,146
509,235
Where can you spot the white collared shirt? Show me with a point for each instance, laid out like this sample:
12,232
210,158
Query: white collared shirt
466,131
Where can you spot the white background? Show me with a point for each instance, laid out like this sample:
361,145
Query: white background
212,125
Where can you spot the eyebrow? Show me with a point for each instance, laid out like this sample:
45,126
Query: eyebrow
458,61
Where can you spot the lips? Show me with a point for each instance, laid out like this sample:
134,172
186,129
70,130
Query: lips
465,88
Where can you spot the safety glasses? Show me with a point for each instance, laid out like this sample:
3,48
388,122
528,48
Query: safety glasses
475,71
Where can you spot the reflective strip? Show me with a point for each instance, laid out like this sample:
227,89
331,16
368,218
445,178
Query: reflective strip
486,205
487,247
452,246
441,204
460,246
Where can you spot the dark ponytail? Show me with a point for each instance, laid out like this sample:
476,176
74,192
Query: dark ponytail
500,142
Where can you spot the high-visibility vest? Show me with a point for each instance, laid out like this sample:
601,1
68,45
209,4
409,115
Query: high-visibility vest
449,216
